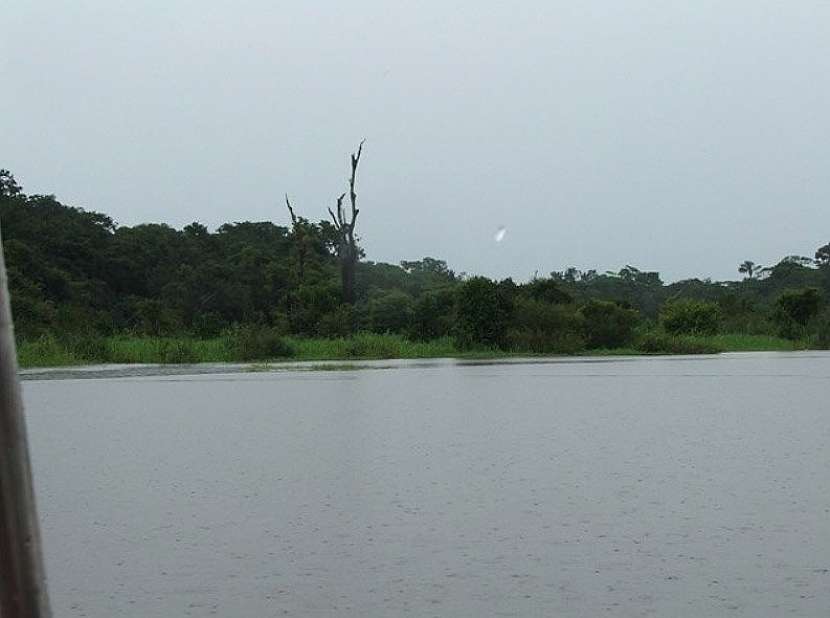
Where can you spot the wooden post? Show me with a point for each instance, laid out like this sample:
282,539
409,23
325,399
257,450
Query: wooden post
22,577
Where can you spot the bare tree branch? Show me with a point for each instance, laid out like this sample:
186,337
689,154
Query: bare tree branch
352,179
339,222
291,210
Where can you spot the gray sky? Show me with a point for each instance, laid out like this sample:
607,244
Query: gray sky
678,136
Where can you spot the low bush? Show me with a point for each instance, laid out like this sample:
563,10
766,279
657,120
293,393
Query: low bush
252,343
789,328
800,305
484,310
543,327
89,348
390,312
433,314
607,324
794,311
337,323
690,317
207,324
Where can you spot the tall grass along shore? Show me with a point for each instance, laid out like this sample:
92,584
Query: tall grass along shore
51,351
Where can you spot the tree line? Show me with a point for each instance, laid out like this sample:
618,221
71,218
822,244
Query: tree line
73,271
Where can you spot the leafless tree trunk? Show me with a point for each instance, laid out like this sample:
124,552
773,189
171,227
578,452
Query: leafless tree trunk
347,249
22,577
299,239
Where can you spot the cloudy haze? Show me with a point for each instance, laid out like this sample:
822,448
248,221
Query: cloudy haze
683,137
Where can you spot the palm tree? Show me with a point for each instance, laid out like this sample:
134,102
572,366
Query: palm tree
749,268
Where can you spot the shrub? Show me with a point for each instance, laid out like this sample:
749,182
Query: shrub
432,314
484,309
787,327
607,324
337,323
153,317
390,312
208,324
545,328
309,303
794,310
251,343
32,314
741,315
690,317
88,347
279,321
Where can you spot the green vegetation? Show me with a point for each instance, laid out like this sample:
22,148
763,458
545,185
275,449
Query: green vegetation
686,316
85,290
371,345
47,351
755,343
795,310
608,325
822,338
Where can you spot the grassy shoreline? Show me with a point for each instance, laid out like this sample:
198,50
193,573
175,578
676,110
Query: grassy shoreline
123,349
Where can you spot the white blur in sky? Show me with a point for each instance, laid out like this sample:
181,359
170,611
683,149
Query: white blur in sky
678,136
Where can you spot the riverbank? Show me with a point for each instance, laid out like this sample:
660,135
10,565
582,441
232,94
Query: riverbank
50,351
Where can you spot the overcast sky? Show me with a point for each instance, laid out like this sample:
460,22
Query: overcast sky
679,136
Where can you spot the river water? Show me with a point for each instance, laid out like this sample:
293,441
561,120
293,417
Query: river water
617,487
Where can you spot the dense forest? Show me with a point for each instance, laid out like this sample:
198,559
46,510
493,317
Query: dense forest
76,275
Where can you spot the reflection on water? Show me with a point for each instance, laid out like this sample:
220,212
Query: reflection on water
624,487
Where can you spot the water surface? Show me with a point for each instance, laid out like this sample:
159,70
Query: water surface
620,487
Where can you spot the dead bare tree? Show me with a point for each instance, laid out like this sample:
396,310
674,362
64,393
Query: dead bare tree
299,233
348,252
